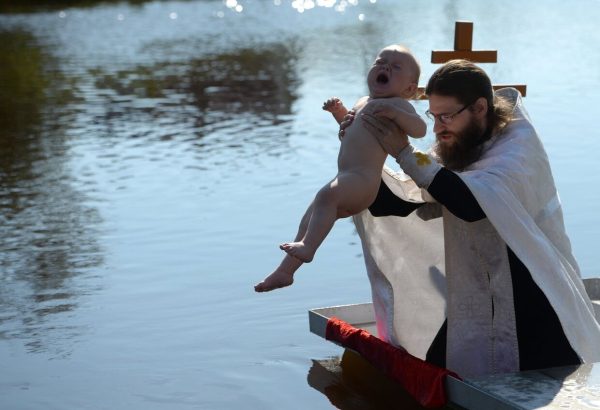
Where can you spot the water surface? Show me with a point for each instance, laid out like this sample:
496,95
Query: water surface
153,155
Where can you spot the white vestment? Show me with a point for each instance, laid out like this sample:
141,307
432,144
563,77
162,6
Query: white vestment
417,282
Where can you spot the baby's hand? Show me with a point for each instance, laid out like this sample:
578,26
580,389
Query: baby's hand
333,105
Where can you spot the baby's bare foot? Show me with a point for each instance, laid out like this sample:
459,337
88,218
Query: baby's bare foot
278,279
298,250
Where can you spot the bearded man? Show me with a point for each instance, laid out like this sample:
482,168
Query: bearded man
491,286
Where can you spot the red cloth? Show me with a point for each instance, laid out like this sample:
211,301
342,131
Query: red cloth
423,381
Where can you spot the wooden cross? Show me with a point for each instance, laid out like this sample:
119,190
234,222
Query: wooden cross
463,48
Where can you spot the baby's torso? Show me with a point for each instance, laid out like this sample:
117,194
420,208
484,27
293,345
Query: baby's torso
360,151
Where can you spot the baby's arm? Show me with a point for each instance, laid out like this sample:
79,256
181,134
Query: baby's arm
335,106
403,114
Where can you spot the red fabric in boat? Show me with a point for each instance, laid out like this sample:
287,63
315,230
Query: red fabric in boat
423,381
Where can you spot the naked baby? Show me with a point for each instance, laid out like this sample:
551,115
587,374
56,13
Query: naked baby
394,77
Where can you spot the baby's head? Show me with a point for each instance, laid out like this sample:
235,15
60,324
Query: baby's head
395,73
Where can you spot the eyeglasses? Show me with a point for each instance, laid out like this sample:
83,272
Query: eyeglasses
445,118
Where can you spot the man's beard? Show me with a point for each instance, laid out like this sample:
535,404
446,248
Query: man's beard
465,149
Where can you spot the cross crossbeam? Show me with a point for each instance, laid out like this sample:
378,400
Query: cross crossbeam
463,48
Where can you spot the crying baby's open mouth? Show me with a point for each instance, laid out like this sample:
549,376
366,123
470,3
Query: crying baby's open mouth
382,78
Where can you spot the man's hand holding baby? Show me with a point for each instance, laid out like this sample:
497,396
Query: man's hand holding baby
381,125
390,136
346,122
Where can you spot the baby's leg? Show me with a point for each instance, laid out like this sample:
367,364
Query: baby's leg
348,194
284,274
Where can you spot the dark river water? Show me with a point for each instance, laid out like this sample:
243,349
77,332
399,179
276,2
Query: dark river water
154,154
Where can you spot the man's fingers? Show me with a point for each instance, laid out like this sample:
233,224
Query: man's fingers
373,125
384,113
343,125
388,125
382,124
348,119
376,132
346,122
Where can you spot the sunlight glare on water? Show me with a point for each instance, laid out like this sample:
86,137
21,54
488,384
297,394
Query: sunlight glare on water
155,153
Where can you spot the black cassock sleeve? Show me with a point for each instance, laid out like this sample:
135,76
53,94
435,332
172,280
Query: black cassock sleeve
387,203
447,188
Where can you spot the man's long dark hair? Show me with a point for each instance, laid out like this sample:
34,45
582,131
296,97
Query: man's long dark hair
467,83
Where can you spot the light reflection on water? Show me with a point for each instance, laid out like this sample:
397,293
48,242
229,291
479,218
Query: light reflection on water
150,165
